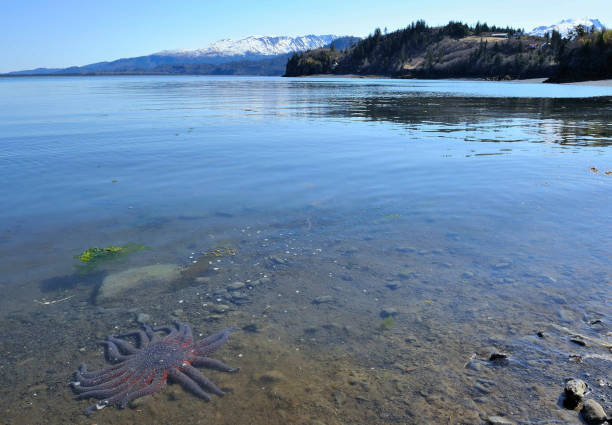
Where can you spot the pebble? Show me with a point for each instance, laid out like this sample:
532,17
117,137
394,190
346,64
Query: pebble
578,340
251,327
323,299
261,281
593,413
277,260
481,389
473,365
236,286
406,273
271,376
574,391
38,388
499,420
498,355
239,298
467,275
220,308
396,284
143,318
203,280
388,311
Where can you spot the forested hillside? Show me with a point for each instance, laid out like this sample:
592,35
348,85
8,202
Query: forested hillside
460,50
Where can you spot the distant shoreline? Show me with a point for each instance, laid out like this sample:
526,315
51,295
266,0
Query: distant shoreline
599,83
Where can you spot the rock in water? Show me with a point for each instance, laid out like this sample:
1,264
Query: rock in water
593,413
235,286
499,420
323,299
574,391
120,284
388,312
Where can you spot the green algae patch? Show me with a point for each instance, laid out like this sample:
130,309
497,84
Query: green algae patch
92,257
93,254
387,323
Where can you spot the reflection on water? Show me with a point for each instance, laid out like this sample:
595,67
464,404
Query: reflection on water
473,214
478,119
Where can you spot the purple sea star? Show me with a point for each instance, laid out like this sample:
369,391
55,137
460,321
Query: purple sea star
144,370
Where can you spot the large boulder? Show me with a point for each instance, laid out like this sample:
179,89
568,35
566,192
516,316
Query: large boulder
593,413
129,282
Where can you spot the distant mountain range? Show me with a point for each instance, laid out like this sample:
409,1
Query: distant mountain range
566,26
255,45
224,57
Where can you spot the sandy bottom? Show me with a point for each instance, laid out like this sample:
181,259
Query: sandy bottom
333,361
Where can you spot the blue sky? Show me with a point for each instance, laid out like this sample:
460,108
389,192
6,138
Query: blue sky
38,33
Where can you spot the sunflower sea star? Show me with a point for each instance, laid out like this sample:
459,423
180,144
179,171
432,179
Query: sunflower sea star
144,370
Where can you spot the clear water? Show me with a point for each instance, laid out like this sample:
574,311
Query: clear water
489,202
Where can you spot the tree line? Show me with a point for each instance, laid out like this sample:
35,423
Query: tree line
461,50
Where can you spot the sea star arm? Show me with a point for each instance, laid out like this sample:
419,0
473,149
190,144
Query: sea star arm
212,364
188,383
151,334
125,346
111,382
195,374
113,354
143,339
157,384
103,375
211,343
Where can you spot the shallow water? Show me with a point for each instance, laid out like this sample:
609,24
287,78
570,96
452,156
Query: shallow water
488,203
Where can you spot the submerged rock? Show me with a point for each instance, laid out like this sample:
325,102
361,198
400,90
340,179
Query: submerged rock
388,312
323,299
143,318
396,284
271,376
577,339
236,286
593,413
574,391
117,285
497,356
406,274
275,259
220,308
499,420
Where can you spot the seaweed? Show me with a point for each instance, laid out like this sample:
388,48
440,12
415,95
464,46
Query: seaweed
91,258
387,323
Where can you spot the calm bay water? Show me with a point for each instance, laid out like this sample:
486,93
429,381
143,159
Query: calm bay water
476,213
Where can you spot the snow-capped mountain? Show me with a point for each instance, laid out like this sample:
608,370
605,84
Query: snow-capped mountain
566,26
256,46
270,52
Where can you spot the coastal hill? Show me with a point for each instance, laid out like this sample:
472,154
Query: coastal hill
458,50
